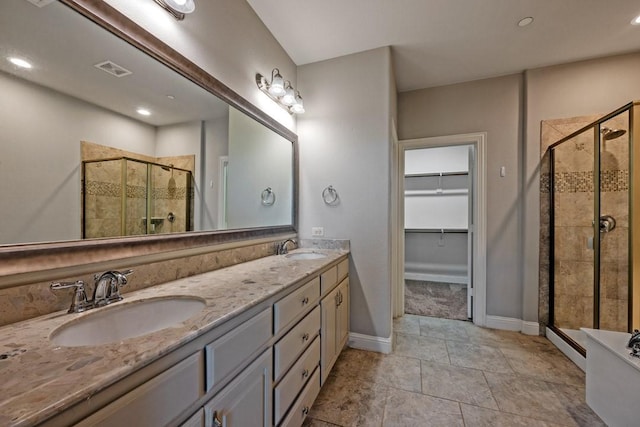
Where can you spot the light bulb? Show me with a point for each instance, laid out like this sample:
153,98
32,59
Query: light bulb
289,97
298,107
277,84
19,62
181,6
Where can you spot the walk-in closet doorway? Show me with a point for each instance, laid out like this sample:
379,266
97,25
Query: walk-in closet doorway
441,231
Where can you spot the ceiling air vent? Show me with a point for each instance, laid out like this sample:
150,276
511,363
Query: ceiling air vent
113,69
40,3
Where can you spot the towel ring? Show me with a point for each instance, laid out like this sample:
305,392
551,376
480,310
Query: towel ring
268,197
330,196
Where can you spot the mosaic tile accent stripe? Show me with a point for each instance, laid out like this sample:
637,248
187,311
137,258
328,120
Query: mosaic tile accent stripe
136,192
109,189
614,180
99,188
582,182
179,193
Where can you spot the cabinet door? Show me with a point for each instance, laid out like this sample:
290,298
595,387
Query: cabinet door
246,401
328,346
342,334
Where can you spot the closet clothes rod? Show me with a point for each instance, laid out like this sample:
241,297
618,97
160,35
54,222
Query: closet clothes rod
436,230
422,175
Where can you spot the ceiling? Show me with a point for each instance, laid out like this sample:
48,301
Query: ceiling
440,42
64,62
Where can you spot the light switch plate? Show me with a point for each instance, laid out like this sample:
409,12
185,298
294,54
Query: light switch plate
317,231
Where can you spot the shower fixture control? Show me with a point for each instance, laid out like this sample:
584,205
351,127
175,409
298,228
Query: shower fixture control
607,223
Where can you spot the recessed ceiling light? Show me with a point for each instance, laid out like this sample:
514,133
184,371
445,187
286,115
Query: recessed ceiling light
525,21
636,20
143,112
171,97
19,62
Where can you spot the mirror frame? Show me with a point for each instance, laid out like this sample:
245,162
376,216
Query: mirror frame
55,260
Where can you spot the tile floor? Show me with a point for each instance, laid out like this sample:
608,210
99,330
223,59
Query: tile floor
453,373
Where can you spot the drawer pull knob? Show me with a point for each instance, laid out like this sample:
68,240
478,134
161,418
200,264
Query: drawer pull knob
305,300
305,373
305,337
305,411
216,420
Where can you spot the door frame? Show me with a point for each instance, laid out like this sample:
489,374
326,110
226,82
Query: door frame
479,267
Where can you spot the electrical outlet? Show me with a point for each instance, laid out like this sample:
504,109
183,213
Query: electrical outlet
317,231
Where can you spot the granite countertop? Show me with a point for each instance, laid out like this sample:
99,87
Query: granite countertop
40,380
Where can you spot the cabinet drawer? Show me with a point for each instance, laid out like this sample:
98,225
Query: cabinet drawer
288,349
286,392
230,351
289,307
328,279
343,269
302,406
156,402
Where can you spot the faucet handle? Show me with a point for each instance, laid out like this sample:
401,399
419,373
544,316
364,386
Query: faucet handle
79,303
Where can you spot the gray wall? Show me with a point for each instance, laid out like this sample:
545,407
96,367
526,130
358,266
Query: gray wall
40,162
345,142
492,106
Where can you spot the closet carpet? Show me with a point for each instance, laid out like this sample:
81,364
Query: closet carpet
435,299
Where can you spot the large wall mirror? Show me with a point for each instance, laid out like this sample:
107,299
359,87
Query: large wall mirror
80,158
89,183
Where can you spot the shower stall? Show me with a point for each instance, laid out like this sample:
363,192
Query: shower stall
126,197
592,227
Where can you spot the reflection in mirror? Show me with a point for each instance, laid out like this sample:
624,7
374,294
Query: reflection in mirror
88,85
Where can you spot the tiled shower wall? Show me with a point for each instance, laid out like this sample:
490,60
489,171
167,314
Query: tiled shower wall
171,192
574,202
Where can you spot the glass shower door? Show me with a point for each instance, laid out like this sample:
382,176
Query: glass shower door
614,224
572,230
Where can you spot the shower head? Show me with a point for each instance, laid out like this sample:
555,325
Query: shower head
168,168
609,134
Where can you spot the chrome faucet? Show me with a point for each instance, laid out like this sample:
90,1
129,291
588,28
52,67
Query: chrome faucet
107,287
281,248
106,290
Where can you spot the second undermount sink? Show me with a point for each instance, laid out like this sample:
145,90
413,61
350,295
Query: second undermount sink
126,320
305,255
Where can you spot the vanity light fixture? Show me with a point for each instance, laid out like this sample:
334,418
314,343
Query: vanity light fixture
281,92
19,62
178,8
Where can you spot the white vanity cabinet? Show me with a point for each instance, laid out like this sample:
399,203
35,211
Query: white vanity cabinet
335,325
263,367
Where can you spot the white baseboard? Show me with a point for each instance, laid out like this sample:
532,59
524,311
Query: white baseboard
371,343
512,324
568,351
444,278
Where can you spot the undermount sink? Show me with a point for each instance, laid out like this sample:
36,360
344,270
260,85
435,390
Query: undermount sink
126,320
305,255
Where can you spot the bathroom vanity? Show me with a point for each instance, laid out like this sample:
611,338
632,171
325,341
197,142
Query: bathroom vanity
256,354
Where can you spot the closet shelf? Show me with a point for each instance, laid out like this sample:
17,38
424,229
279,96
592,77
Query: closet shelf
438,192
436,230
429,174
